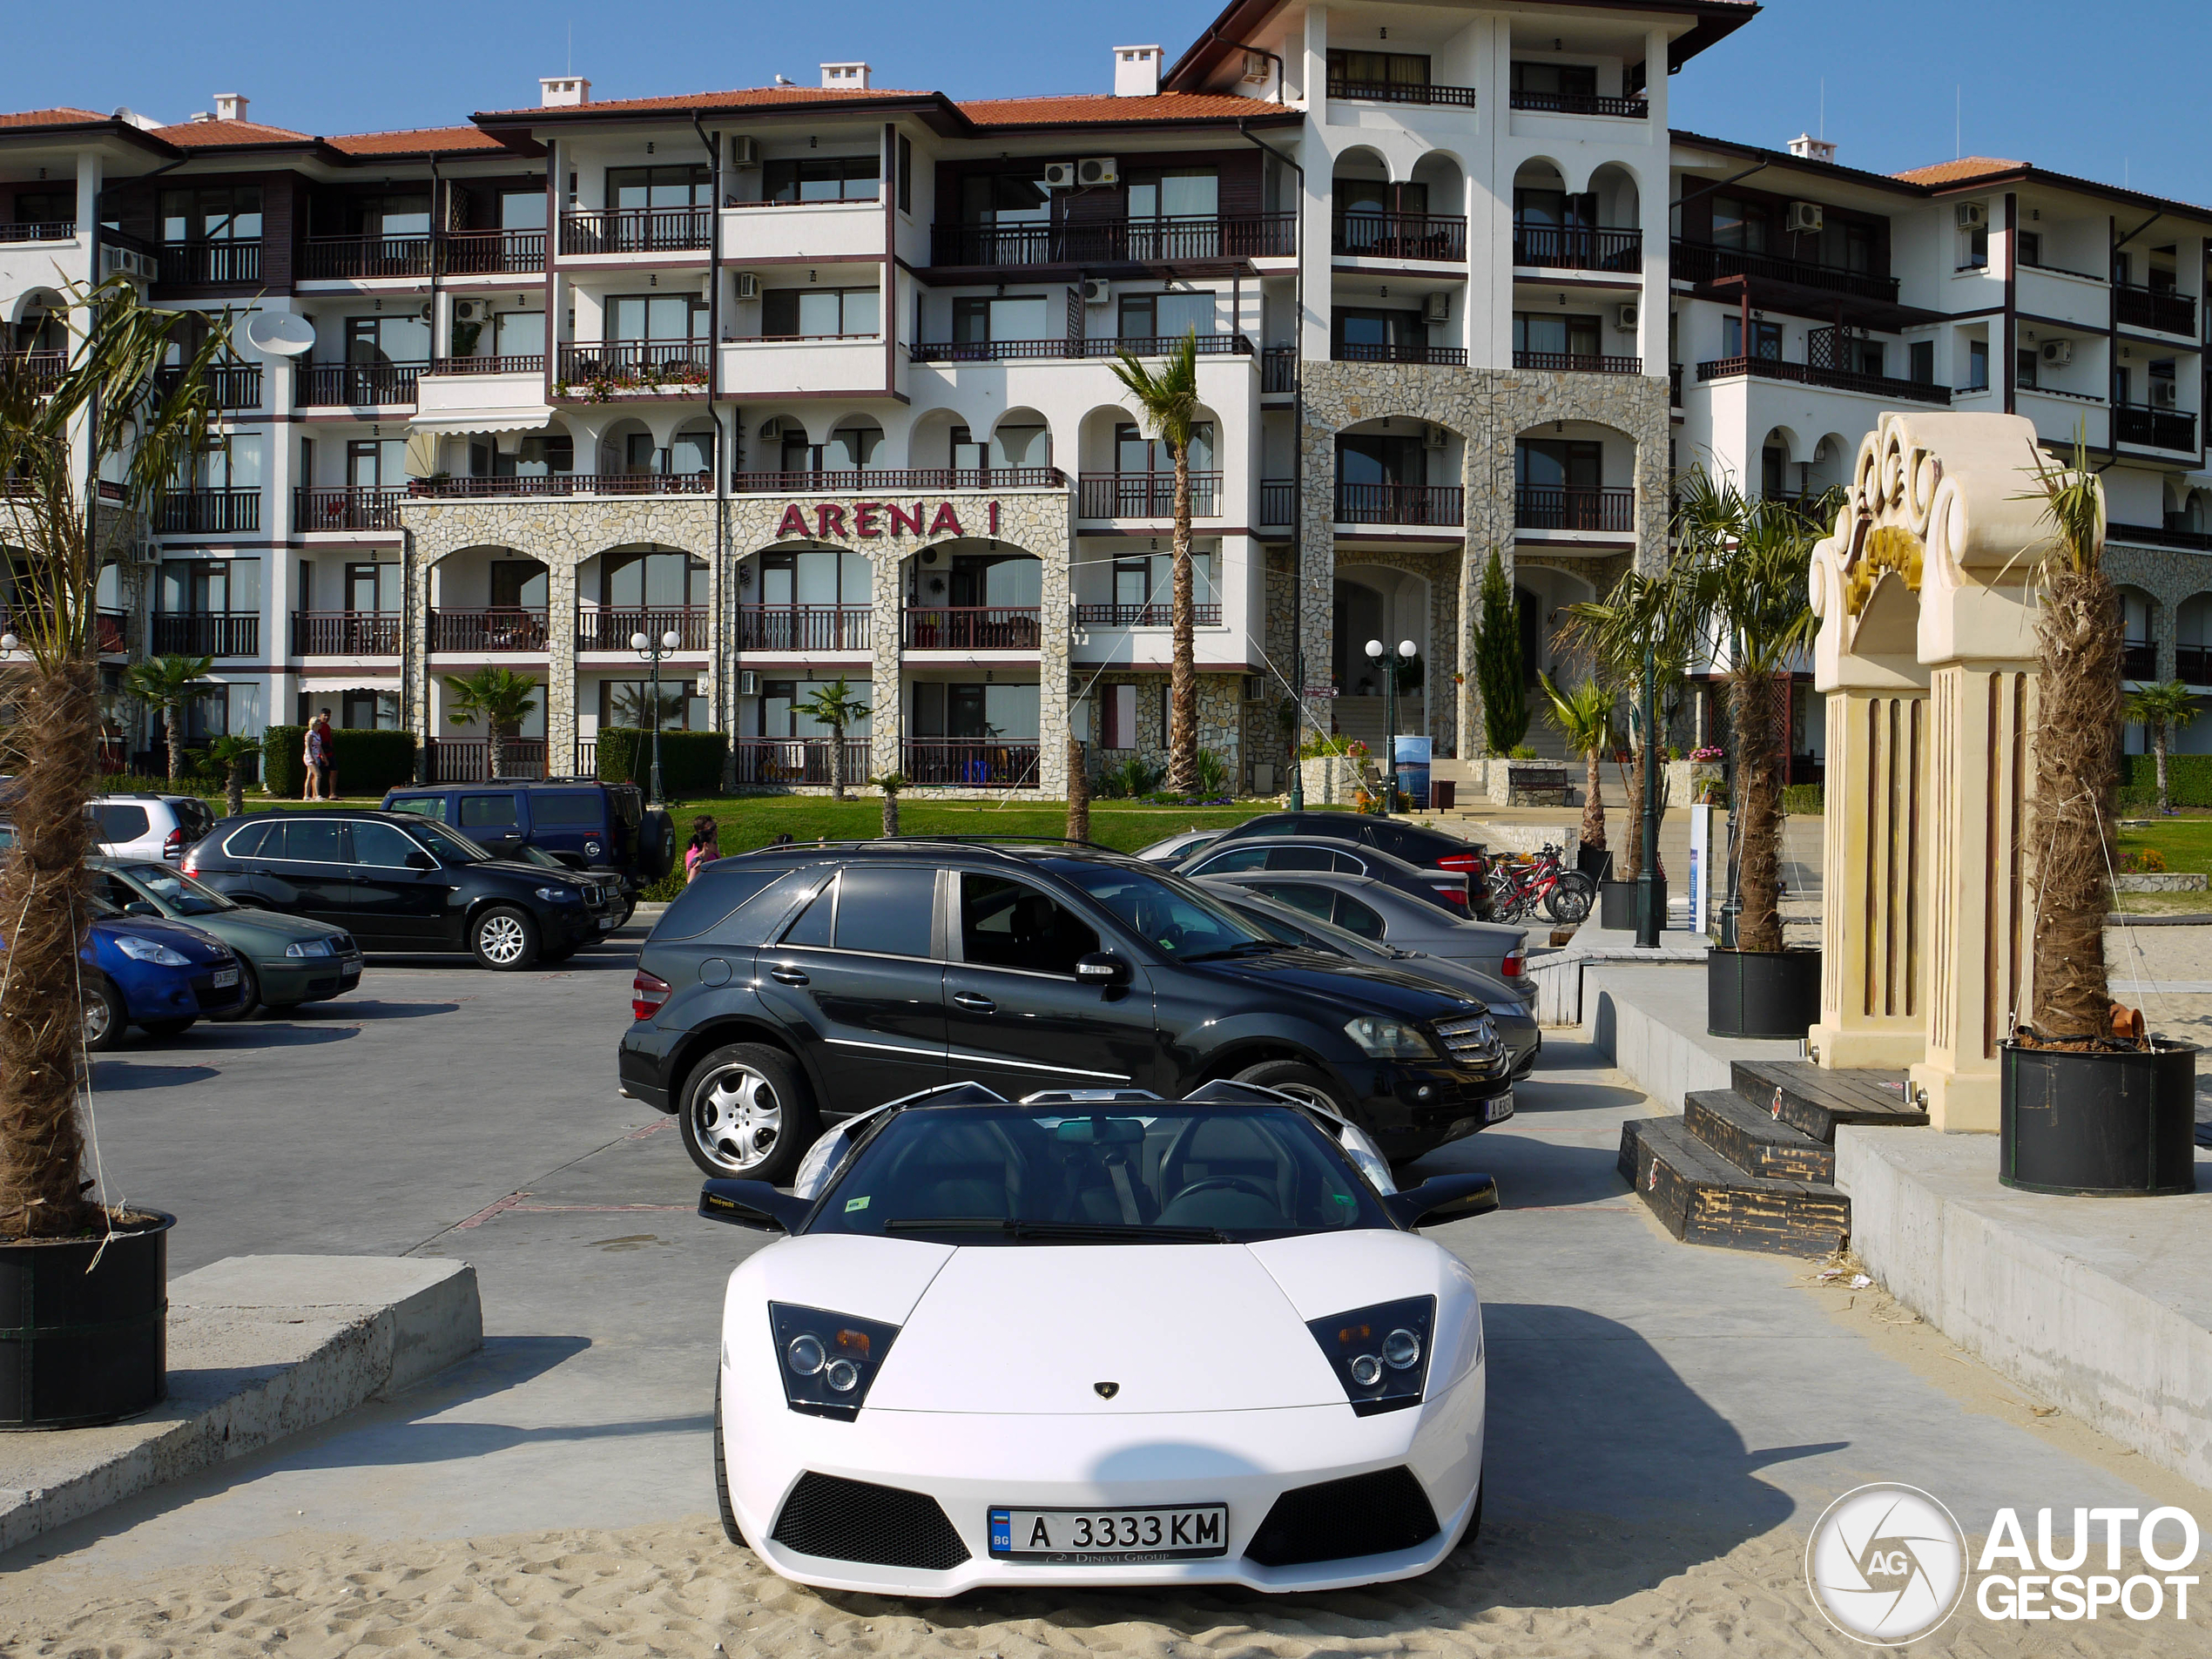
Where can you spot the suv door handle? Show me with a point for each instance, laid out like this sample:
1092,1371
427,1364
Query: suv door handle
788,976
973,1003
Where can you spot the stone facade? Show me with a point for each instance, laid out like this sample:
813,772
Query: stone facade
2171,576
1221,721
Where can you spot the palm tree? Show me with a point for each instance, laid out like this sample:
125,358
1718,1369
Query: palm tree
500,697
835,706
231,753
890,783
55,525
1078,793
2162,710
167,686
1584,716
1638,616
1168,400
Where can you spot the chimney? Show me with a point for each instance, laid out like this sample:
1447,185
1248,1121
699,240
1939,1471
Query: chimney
562,91
853,77
229,106
1136,71
1805,147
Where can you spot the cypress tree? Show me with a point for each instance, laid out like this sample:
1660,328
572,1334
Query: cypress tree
1498,674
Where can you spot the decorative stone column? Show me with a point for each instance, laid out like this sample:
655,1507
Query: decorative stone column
887,627
560,667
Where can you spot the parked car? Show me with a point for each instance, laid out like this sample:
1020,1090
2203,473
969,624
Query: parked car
1174,849
795,986
604,830
401,881
159,976
1446,890
1363,906
1511,1002
148,826
1229,1347
283,960
1411,842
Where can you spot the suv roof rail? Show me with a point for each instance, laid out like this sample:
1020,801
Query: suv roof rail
988,839
998,844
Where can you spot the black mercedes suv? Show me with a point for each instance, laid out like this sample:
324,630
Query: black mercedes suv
791,988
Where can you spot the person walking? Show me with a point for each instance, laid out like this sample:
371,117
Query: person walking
705,845
312,762
324,756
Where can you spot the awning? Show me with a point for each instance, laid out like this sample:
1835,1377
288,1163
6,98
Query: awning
529,420
369,680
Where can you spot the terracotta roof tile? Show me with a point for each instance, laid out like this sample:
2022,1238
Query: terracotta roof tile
742,97
61,117
415,141
191,135
1951,172
1096,108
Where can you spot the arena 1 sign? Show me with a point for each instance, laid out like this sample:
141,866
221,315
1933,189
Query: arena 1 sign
870,519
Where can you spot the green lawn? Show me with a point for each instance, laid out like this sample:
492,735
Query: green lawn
2186,841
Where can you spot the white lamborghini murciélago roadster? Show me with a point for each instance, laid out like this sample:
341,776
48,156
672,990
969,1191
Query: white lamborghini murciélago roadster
1099,1337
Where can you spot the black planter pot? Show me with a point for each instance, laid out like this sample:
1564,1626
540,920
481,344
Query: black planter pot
1762,992
1596,862
2118,1124
80,1347
1616,903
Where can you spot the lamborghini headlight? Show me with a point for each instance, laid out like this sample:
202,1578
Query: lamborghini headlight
1380,1354
827,1359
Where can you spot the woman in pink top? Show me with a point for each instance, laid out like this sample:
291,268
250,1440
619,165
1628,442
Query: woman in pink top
704,846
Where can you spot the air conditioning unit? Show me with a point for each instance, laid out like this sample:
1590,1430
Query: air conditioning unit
1059,175
1804,218
142,267
748,285
744,151
468,310
1433,437
2165,395
748,683
1973,216
1626,317
2057,353
1096,291
1436,308
770,429
1255,67
1098,170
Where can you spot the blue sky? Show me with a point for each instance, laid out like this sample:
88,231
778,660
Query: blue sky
2041,80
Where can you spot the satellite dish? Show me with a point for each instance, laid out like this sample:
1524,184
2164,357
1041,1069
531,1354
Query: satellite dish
280,333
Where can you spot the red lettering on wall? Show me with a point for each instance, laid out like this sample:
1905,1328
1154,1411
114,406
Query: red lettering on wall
946,520
901,522
864,517
794,522
995,518
830,518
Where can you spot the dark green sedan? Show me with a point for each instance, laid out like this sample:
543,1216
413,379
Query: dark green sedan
286,960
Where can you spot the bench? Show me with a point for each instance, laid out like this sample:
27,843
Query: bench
1536,785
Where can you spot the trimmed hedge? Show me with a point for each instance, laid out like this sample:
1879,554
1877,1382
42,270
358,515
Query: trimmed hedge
369,761
2189,780
283,772
1808,799
690,762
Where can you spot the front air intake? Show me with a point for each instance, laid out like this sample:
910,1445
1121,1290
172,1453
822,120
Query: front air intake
1366,1514
852,1520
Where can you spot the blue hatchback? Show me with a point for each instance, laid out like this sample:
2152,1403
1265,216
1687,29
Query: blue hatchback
159,975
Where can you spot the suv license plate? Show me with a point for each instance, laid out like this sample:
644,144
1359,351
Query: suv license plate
1109,1537
226,976
1496,1111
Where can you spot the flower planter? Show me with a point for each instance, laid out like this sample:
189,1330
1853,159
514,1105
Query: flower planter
1774,994
1616,902
79,1347
2117,1123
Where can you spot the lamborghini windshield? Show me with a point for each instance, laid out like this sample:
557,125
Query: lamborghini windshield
1164,1174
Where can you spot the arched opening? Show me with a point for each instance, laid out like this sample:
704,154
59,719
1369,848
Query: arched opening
971,595
489,602
1021,440
1544,595
1592,229
971,693
41,331
1381,604
1575,477
802,596
2139,654
1779,477
828,457
2193,640
1829,468
1394,470
644,588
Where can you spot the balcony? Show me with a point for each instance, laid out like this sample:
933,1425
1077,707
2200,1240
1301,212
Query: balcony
1577,247
1278,501
637,230
796,760
1574,362
358,386
108,626
1117,241
1003,350
346,507
564,484
493,628
1144,495
2193,664
804,628
1398,503
1399,92
973,762
491,252
631,365
211,512
1144,616
1634,109
1279,369
324,258
208,633
2159,309
2161,535
611,627
345,633
1701,262
1568,507
1841,379
1401,236
2138,660
1349,351
230,386
208,264
849,483
43,369
37,229
2154,429
970,628
468,760
520,363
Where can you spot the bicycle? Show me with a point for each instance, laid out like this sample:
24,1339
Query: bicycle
1516,888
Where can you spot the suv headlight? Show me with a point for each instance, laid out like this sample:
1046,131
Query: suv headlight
1380,1354
1383,1039
309,947
140,949
558,895
827,1360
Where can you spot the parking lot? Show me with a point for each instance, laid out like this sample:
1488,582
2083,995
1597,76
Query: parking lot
1665,1422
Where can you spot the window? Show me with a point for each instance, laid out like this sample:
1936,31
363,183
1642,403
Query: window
1922,353
1375,458
210,587
780,716
117,822
630,702
664,580
211,213
1740,224
1574,336
1766,339
817,576
249,842
2026,365
1556,80
422,805
1117,718
372,463
1166,316
231,463
381,845
1871,357
977,319
308,838
811,928
828,179
2031,247
995,712
552,457
1136,452
1973,249
906,174
1176,193
1311,858
656,316
1534,205
489,812
45,206
1010,924
851,448
568,810
521,210
1379,68
1356,918
1005,200
1570,463
407,215
381,340
1371,336
814,314
677,186
891,911
519,334
367,711
1235,860
1148,579
1977,364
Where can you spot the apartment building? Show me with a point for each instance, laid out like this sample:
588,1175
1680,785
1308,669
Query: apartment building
811,382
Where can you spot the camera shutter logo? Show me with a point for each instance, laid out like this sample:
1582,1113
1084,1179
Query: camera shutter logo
1887,1564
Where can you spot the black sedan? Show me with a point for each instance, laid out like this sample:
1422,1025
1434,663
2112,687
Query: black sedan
1412,842
1249,855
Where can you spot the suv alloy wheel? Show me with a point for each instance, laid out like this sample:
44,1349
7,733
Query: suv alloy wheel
746,1114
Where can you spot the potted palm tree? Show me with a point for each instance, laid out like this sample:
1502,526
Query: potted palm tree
1168,400
94,1273
2086,1102
500,697
167,686
1584,716
836,707
890,783
2161,711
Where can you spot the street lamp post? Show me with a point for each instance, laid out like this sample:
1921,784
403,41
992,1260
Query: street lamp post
1649,918
652,650
1377,655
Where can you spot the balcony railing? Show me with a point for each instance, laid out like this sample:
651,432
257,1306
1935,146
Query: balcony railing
1702,262
43,369
1144,495
1568,507
1279,369
1842,380
1575,362
211,512
637,229
1348,351
468,760
230,386
208,633
1278,501
2161,535
108,626
1115,241
804,628
1577,247
611,627
2138,660
346,507
327,258
1399,92
971,628
1636,108
974,763
358,386
494,627
881,483
37,229
635,363
2193,664
1145,616
490,252
796,760
999,351
513,364
565,483
345,633
1401,236
2161,309
2158,429
1398,504
206,265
